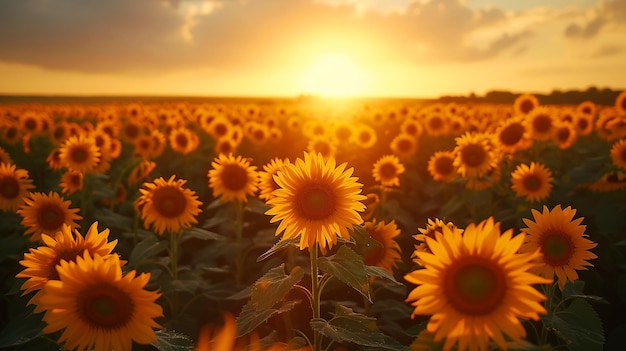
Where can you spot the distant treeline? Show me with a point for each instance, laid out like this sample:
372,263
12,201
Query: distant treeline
604,96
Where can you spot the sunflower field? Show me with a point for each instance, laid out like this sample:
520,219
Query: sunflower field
313,225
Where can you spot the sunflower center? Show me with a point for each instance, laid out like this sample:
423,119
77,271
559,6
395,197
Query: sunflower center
322,147
59,132
50,217
9,187
220,129
557,248
234,177
526,106
104,306
343,133
411,129
30,124
404,145
622,155
435,123
11,132
532,183
473,155
444,165
475,285
583,123
315,202
169,201
131,131
623,104
387,171
365,137
563,134
512,134
181,140
542,123
79,155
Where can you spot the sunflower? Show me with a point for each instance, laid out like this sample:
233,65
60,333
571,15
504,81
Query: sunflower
404,145
10,133
562,242
618,153
316,201
143,146
131,130
513,135
534,181
387,255
60,132
30,122
525,103
541,123
14,186
473,155
4,156
233,178
46,214
219,127
620,103
257,133
210,338
158,143
71,182
225,146
587,108
80,153
411,127
485,181
436,124
564,135
610,181
54,159
342,132
441,166
432,227
266,177
387,170
98,308
476,287
365,136
371,202
183,140
165,205
40,263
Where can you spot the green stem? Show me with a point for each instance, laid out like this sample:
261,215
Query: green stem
315,293
174,270
239,260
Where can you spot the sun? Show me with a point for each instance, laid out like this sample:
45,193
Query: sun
334,75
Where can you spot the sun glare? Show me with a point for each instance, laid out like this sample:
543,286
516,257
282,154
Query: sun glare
334,75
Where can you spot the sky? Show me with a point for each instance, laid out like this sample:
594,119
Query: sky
284,48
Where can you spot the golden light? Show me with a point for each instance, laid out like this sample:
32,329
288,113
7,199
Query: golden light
334,75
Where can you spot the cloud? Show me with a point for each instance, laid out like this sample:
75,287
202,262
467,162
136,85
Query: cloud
608,51
152,37
605,14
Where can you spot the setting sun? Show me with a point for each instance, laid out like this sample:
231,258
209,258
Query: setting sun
334,75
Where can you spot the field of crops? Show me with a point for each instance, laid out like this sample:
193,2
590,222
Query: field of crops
313,225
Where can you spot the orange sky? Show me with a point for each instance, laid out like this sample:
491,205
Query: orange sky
389,48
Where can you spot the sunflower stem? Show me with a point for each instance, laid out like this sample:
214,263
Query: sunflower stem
238,237
315,293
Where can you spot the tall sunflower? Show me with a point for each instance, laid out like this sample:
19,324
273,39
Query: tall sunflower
80,153
533,182
97,308
564,135
562,242
387,170
441,166
233,178
40,263
525,103
513,135
14,186
476,286
46,214
541,123
71,182
387,255
618,153
473,155
266,177
165,205
317,201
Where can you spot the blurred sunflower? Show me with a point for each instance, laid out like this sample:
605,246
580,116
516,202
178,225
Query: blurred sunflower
183,140
233,178
620,103
541,123
513,135
404,145
219,127
387,255
40,263
257,133
411,127
476,286
564,135
46,214
610,181
371,202
131,130
387,170
225,146
71,182
14,186
59,132
562,242
432,227
587,108
342,133
618,153
165,205
533,182
4,156
97,308
435,124
79,153
525,103
30,122
10,133
317,201
322,145
441,166
473,155
365,136
142,146
266,177
54,159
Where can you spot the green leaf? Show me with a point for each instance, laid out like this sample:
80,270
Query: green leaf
380,272
256,206
347,266
347,326
282,244
268,290
170,340
575,290
199,233
148,247
22,327
363,238
578,325
589,171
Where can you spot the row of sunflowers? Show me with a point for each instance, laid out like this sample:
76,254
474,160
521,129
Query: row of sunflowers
313,226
